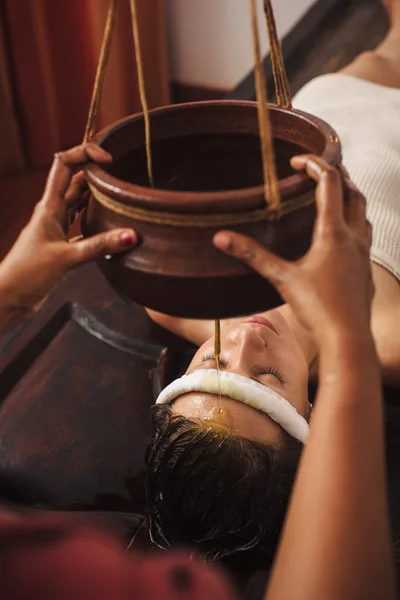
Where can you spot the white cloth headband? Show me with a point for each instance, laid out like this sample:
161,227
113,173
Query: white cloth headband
244,390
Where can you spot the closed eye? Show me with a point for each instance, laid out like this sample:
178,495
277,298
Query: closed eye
210,356
258,371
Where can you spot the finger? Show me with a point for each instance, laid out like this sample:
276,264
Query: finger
98,246
329,193
356,206
368,234
76,190
344,172
64,166
349,184
74,212
250,252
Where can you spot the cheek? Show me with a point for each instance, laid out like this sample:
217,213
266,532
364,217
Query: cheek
293,364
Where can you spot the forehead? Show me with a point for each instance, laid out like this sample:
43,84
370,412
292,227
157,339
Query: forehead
238,418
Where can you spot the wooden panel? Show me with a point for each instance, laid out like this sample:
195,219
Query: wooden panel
349,31
75,397
330,35
76,422
182,93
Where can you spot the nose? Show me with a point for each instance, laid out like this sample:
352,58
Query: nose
246,347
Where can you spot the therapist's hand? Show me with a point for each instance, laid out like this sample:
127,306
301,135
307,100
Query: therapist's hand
330,289
42,254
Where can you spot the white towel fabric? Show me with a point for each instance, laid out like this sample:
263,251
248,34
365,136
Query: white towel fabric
366,117
244,390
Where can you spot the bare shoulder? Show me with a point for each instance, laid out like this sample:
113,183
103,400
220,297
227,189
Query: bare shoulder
386,323
376,67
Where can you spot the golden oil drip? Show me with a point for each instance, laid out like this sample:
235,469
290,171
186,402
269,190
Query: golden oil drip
217,353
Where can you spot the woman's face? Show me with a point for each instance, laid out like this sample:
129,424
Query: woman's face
260,349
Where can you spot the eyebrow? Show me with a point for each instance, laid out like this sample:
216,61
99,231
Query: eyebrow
224,362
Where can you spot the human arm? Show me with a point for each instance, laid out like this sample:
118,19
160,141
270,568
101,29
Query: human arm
336,541
193,330
42,254
196,331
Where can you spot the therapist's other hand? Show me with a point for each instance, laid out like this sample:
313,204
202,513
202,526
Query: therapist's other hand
330,289
42,254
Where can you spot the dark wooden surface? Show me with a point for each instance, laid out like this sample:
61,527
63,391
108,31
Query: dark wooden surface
329,36
76,383
76,386
182,93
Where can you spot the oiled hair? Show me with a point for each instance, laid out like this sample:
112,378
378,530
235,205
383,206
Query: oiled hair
215,491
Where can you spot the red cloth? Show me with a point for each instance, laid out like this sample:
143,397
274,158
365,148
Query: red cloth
46,557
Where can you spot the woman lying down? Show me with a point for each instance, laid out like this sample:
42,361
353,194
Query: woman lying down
221,479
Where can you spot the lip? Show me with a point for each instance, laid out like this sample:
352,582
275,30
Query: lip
261,321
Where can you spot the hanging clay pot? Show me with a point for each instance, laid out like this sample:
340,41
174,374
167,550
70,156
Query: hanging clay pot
208,176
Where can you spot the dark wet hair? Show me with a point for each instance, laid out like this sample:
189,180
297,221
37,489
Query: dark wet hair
218,492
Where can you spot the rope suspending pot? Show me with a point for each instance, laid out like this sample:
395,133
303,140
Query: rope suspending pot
206,173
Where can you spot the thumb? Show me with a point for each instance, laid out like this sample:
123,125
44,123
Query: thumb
98,246
250,252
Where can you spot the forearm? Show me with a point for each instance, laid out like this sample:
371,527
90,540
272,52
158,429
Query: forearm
195,331
336,542
12,309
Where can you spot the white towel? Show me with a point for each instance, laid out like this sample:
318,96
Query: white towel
244,390
366,117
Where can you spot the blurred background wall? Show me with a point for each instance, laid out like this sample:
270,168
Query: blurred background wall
210,40
49,51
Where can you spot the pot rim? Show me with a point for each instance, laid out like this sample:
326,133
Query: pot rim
190,202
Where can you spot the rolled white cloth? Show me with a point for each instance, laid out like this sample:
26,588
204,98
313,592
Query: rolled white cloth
244,390
366,117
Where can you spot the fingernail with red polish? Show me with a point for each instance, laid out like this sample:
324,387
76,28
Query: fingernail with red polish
128,239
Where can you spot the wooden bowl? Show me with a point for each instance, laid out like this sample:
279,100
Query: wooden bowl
208,176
